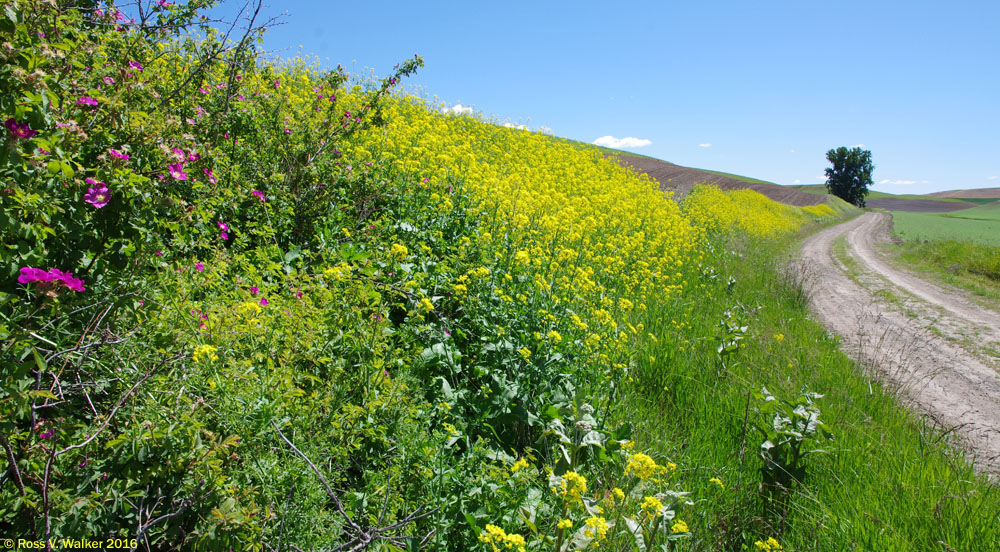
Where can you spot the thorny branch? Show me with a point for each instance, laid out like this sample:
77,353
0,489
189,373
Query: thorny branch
360,538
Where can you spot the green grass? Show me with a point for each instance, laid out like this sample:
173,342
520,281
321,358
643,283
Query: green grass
979,224
988,211
981,200
887,482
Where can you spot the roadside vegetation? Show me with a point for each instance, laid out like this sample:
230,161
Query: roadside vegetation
961,248
253,305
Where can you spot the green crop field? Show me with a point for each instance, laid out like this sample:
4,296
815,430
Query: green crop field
979,224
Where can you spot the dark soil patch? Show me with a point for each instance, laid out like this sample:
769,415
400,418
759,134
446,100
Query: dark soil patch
978,193
918,205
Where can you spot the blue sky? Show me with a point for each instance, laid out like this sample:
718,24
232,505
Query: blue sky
761,89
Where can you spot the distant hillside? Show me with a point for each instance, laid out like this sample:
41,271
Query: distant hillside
902,202
680,180
980,193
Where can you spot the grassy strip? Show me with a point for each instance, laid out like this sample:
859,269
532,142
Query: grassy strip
887,482
966,265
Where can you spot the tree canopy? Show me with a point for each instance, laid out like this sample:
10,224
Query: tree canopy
851,174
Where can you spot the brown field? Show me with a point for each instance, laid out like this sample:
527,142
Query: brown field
980,193
918,205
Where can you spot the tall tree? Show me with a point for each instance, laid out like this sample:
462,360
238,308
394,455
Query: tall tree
851,174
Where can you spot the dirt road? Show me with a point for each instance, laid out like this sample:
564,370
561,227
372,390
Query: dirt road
938,348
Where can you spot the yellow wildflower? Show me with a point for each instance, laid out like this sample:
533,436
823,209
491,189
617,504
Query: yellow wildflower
597,527
205,351
679,527
571,486
651,505
770,545
399,251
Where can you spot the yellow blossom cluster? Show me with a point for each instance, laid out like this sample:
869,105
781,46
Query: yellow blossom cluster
571,486
746,211
770,545
500,539
205,352
644,467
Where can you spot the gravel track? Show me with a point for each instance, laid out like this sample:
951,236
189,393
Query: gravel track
929,343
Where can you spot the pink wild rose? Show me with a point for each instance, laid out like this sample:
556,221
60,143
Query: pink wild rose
87,100
177,171
97,195
19,130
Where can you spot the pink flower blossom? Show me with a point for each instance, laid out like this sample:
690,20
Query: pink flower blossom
87,100
263,301
193,156
164,3
109,81
211,177
179,154
135,65
159,253
224,235
259,195
199,267
277,83
288,131
29,275
254,290
19,130
177,171
222,225
43,151
119,155
98,195
48,434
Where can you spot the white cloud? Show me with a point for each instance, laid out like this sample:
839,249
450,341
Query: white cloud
796,181
897,182
509,124
457,109
791,151
992,177
619,143
705,145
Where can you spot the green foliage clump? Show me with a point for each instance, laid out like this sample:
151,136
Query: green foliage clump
851,174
